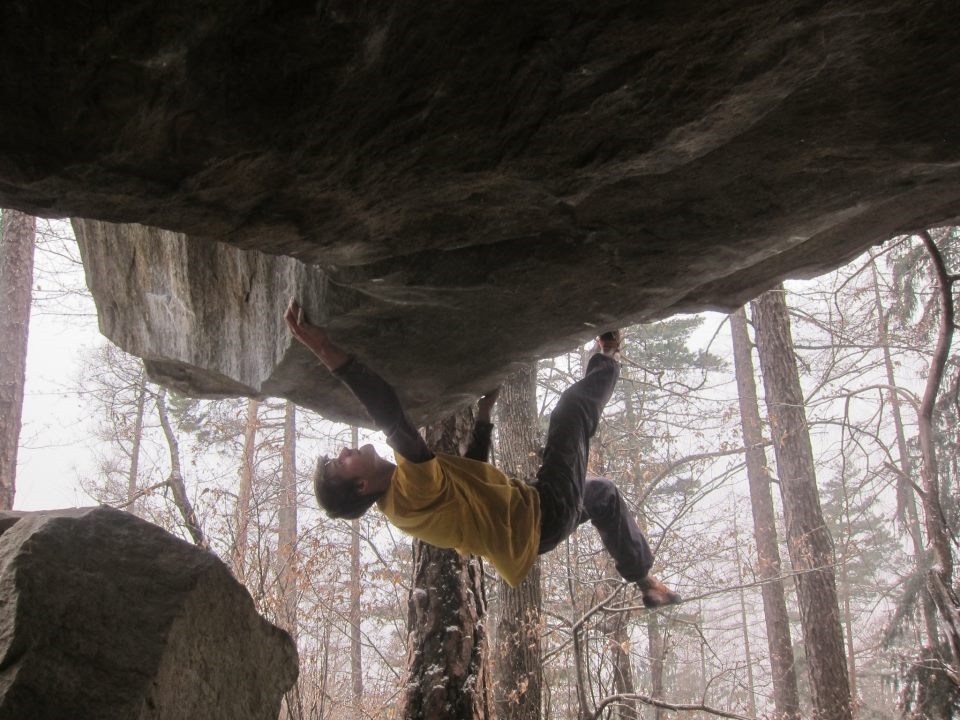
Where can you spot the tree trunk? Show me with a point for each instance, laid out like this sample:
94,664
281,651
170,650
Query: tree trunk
518,672
356,659
940,577
133,479
744,626
323,691
848,629
175,479
16,290
287,521
356,616
906,501
657,642
287,545
623,683
704,680
447,677
241,512
809,543
786,697
580,673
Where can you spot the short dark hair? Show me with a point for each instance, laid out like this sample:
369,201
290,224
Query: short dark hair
339,496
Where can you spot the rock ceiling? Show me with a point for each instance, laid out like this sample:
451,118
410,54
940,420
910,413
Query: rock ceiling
454,188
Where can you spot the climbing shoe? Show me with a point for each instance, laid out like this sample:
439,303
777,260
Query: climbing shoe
656,594
609,343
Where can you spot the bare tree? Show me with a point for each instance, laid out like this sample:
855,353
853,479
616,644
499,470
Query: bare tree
786,697
287,542
517,655
809,543
241,511
287,519
175,480
623,681
940,578
658,642
906,502
16,286
133,477
874,325
447,676
356,658
744,626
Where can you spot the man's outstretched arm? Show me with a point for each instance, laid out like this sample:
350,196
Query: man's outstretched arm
374,393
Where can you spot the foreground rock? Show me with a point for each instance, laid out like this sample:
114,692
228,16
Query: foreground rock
475,184
103,615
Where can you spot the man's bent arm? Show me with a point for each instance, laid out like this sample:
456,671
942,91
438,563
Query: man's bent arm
373,392
381,402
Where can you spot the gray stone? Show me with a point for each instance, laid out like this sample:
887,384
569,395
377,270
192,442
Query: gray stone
105,616
475,184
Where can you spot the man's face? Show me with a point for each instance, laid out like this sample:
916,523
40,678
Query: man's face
357,463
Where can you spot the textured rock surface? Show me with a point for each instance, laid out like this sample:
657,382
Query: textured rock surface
106,616
477,182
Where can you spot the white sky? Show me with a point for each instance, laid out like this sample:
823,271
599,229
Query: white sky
53,454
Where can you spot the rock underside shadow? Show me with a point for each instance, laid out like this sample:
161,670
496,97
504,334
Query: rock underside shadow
457,189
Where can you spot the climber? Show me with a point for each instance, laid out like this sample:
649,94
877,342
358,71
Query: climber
464,502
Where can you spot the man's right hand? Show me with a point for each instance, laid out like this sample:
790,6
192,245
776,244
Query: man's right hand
315,338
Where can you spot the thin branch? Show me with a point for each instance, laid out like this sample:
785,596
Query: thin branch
735,588
137,496
605,603
578,625
175,478
903,392
904,477
679,707
942,349
687,459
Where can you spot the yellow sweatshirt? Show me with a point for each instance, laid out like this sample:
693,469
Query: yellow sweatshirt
455,502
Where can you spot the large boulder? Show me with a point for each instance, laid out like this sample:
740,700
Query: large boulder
104,616
474,184
207,320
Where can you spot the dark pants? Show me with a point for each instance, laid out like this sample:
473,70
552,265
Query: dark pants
567,498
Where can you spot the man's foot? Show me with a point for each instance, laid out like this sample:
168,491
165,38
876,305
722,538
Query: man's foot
656,594
609,343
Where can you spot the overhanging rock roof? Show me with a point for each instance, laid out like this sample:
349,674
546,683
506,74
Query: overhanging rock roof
458,187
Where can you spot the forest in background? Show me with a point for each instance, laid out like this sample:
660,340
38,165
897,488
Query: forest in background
234,476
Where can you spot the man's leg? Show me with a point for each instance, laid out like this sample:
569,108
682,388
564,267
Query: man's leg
603,505
560,480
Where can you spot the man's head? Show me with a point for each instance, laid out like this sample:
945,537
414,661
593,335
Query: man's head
348,484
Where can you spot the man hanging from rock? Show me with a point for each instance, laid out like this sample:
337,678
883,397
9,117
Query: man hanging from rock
464,502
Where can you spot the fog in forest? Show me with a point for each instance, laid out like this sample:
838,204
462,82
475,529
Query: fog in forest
672,438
